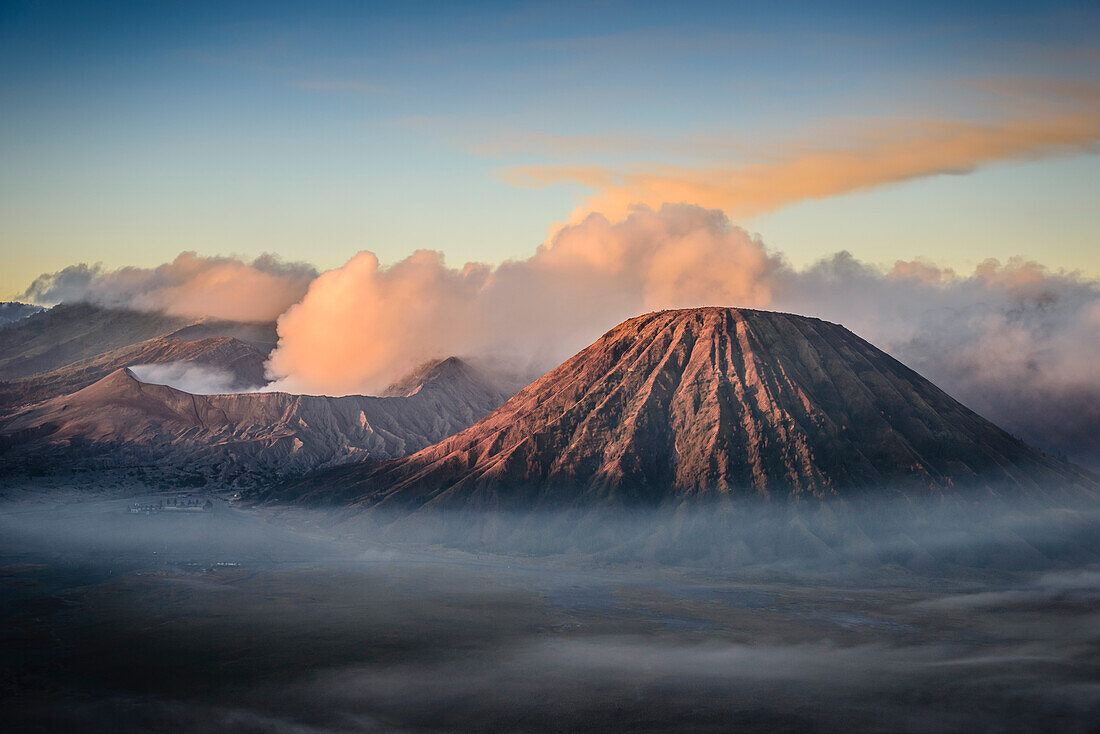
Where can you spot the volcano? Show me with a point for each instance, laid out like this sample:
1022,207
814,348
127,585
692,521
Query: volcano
712,402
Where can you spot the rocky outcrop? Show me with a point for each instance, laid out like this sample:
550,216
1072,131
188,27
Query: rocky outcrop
711,402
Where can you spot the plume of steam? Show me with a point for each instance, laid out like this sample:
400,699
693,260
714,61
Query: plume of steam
1015,341
360,326
190,285
197,379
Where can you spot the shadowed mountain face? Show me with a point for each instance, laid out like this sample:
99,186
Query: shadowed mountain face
12,312
713,402
121,422
69,333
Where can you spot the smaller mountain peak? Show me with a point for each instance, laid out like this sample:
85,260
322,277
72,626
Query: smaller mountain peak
436,367
120,377
119,382
432,371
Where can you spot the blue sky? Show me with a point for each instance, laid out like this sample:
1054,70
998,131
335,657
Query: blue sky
132,131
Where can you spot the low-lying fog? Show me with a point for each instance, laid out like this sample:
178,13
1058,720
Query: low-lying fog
197,379
887,617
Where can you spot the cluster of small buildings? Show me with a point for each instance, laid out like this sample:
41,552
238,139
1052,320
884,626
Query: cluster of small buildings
173,504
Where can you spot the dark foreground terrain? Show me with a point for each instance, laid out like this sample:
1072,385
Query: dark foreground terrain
259,620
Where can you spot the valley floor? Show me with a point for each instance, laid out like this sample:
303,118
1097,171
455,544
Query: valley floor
256,620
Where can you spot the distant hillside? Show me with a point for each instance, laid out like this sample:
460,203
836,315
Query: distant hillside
71,333
260,334
244,362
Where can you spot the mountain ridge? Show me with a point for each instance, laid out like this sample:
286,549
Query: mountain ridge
119,421
54,338
12,312
241,360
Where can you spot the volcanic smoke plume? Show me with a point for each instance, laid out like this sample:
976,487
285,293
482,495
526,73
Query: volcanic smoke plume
361,325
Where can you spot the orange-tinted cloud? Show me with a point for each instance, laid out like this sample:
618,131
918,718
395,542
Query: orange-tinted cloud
1055,119
362,325
190,285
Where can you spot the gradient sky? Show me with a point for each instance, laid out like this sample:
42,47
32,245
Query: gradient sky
132,131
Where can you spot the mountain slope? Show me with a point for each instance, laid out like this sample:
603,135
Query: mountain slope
259,334
120,421
711,402
243,361
69,333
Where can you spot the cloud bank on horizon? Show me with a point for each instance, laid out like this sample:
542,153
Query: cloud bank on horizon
1015,341
190,285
